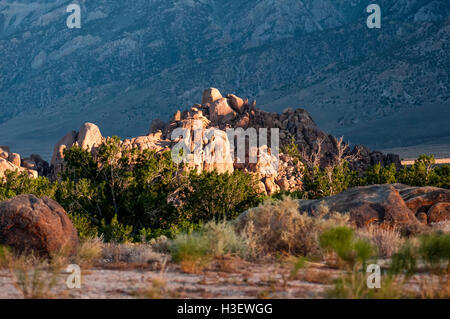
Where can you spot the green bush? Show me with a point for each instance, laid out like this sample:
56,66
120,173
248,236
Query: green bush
404,261
218,196
223,239
435,251
16,183
354,286
350,251
191,251
116,232
83,224
194,250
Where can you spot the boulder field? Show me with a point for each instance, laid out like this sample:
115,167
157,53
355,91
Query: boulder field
219,112
34,165
395,204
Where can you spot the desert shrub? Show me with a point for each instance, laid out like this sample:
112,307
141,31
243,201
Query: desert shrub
319,182
84,226
160,244
32,276
210,195
354,286
331,180
194,250
5,252
89,251
277,226
146,190
191,251
432,287
404,261
432,249
223,239
435,251
386,240
131,254
158,290
133,185
342,242
297,264
379,174
16,183
115,231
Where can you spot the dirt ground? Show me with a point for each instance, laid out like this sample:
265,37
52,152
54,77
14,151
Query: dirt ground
227,278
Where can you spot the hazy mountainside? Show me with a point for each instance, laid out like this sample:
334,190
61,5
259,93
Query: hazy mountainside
133,61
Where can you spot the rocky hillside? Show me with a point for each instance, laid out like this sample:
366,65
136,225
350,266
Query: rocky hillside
134,62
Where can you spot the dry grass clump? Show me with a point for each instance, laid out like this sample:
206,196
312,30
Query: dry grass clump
160,244
443,227
33,276
157,290
191,252
432,287
195,251
4,253
131,256
387,240
354,286
279,227
89,252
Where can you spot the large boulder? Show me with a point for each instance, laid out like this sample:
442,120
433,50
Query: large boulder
15,159
28,223
216,153
89,136
236,103
365,205
421,199
210,96
439,212
6,166
221,112
58,151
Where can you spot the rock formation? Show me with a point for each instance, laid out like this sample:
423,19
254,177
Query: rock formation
217,114
34,165
88,137
28,223
395,204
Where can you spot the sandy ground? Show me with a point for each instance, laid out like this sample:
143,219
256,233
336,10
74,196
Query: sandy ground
440,161
225,279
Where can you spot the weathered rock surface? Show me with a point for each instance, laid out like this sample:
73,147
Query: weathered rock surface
376,203
236,103
439,212
28,223
395,204
34,166
421,199
211,95
219,113
88,137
